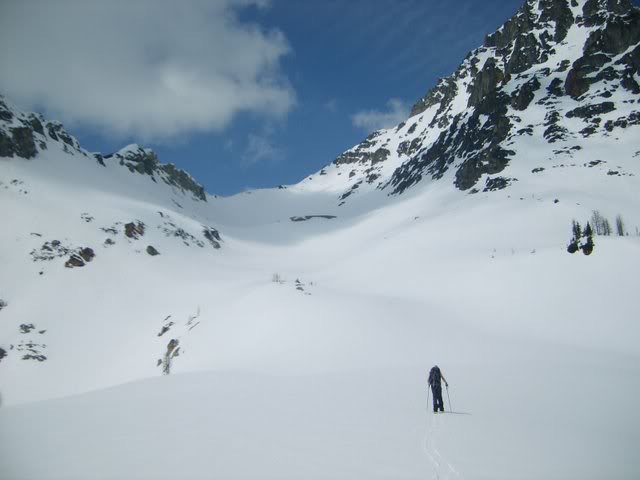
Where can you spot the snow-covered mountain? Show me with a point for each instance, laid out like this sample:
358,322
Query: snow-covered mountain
149,329
560,77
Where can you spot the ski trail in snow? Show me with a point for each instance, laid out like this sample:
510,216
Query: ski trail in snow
442,468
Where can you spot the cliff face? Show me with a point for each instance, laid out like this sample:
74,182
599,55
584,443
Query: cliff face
562,72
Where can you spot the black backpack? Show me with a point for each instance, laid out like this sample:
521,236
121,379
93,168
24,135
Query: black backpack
434,376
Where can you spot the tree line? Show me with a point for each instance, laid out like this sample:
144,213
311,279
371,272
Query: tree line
582,238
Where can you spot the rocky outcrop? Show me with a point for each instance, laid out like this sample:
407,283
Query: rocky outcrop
619,30
213,237
144,161
80,258
521,62
173,350
134,230
24,135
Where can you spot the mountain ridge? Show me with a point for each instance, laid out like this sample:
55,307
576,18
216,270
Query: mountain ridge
531,55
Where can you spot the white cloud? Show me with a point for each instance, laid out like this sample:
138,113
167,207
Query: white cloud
397,111
148,68
331,105
261,148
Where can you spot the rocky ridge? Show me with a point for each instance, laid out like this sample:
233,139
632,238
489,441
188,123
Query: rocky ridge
569,59
24,135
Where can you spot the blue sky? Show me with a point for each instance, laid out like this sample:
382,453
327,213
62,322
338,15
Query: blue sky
273,90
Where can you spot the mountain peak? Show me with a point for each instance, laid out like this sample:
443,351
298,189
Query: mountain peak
553,61
25,135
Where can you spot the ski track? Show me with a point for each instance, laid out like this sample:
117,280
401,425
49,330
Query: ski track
442,468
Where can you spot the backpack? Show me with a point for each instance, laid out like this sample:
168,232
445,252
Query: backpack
434,376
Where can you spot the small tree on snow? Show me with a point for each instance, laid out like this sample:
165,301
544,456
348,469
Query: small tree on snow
597,222
575,239
620,226
587,246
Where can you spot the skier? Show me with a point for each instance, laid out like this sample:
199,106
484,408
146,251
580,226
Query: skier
435,377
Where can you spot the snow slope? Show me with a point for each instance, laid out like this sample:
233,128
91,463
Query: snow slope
304,329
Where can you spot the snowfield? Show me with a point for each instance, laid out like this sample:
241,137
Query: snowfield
325,378
151,331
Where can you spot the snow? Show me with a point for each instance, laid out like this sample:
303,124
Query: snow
275,383
322,374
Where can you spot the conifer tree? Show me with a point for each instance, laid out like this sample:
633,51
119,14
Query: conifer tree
620,226
575,239
587,247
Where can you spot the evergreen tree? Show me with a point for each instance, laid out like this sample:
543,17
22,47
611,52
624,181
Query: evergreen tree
577,231
606,228
575,239
620,226
587,247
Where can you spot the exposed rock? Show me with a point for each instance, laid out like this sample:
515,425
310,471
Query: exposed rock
5,112
86,217
485,82
578,79
618,34
57,132
521,99
100,159
173,350
36,124
151,250
309,217
165,328
31,356
442,94
26,327
213,236
554,132
170,229
380,155
555,88
497,183
623,122
34,351
589,111
50,250
20,143
134,229
87,254
3,304
362,153
145,162
80,258
526,53
473,138
522,23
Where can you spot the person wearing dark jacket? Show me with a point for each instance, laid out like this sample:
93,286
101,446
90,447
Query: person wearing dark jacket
435,382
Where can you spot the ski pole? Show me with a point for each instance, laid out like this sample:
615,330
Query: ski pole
450,407
427,398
